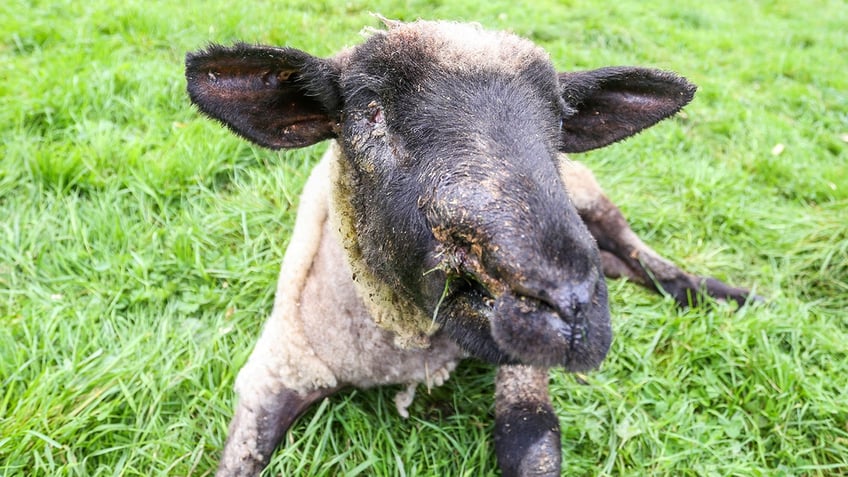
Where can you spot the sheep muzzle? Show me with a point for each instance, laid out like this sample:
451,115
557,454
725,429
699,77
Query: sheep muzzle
523,283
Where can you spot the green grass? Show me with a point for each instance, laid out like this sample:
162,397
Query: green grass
139,246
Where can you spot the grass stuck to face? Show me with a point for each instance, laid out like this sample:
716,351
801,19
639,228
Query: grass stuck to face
140,244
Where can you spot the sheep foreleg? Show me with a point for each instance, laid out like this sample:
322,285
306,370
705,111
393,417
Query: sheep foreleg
257,428
527,438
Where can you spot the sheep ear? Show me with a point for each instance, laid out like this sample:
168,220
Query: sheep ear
614,103
275,97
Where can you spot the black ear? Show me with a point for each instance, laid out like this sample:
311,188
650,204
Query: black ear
614,103
275,97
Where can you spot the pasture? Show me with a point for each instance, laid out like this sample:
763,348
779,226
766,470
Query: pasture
140,245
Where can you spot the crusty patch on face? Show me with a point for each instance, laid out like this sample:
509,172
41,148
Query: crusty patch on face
464,47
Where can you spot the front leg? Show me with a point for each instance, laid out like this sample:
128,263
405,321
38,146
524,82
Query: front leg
527,438
625,255
259,424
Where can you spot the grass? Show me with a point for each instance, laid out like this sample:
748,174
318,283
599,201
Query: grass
139,246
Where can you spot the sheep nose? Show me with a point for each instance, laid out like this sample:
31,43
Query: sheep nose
568,301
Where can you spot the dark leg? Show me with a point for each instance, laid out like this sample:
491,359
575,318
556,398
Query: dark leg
625,255
527,438
258,427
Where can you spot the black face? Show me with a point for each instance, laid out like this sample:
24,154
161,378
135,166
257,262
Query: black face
459,205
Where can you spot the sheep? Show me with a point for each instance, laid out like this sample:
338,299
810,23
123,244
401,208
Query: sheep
444,222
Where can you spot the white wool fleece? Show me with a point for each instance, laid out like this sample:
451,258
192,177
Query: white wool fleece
320,333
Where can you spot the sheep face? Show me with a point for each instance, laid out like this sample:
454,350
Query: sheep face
457,201
449,138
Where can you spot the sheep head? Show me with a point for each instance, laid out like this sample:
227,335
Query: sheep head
449,137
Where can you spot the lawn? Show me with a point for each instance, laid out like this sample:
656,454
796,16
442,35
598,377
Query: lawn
140,243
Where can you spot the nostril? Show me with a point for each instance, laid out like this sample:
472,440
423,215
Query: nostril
539,295
571,308
569,302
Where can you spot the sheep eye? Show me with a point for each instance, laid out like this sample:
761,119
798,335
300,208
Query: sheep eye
377,115
376,112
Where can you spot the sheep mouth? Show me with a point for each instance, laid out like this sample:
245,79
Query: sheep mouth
540,332
467,284
505,325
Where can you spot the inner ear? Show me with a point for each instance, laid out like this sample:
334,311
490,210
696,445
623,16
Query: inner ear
275,97
613,103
